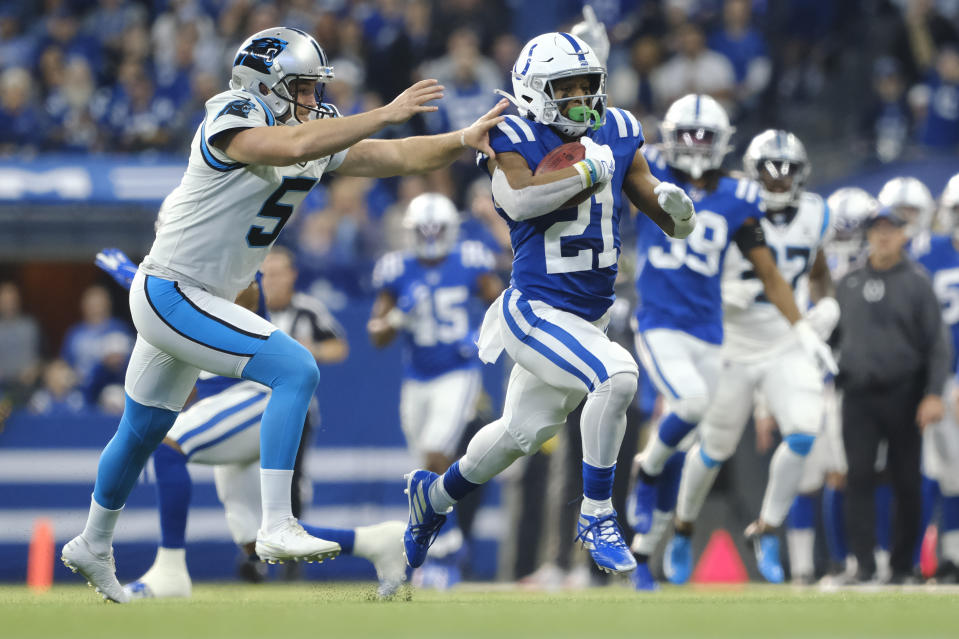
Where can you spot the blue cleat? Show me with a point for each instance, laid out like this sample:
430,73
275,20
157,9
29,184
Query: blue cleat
642,502
766,547
602,537
678,559
425,523
643,579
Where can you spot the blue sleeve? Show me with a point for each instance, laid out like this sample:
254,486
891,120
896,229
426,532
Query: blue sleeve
516,135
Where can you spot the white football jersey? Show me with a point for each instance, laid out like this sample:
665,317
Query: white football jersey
760,329
215,228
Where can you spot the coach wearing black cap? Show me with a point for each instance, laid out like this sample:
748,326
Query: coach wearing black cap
894,359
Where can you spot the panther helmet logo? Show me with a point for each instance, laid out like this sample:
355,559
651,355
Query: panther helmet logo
260,53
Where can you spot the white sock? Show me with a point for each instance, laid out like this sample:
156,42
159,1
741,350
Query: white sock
170,559
276,494
646,544
800,542
697,480
101,523
596,507
950,545
439,498
655,455
785,471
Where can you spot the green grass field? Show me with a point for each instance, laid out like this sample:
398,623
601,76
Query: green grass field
352,611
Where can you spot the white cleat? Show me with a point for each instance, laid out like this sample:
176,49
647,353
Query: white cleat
289,542
99,570
382,544
160,584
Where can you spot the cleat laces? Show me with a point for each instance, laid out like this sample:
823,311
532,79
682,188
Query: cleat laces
603,532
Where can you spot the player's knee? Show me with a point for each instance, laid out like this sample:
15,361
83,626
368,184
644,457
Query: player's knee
716,447
623,386
691,408
282,361
149,424
800,443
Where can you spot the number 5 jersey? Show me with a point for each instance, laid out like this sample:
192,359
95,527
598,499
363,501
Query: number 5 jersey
217,225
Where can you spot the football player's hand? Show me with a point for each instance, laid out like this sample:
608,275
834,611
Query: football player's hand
824,316
815,347
739,294
117,265
674,201
601,158
476,135
930,411
413,101
593,32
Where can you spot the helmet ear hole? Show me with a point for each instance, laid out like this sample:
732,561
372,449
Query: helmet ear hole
263,89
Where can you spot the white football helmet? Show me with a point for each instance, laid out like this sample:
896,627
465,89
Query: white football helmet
949,206
695,133
778,161
849,208
911,200
277,58
433,223
550,57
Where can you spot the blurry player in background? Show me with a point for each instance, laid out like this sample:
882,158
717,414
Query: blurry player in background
222,429
427,296
762,355
564,226
825,467
940,442
679,318
262,146
911,200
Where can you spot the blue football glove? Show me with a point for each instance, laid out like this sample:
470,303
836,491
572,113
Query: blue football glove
117,265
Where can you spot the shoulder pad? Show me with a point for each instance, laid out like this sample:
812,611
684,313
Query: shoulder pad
240,104
516,129
474,254
747,190
626,124
389,268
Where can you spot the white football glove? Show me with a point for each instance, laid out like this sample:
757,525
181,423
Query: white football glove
815,347
674,201
740,294
824,316
601,158
593,32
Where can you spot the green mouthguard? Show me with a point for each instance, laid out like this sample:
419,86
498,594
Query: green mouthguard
585,114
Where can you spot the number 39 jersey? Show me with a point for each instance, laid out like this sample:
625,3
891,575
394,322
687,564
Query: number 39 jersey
794,238
941,258
441,306
678,281
568,258
217,225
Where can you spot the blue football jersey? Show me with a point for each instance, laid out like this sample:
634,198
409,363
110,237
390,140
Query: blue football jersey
568,258
679,281
441,301
941,259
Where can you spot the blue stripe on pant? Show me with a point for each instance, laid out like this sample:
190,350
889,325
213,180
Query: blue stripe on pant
659,371
219,417
178,312
541,348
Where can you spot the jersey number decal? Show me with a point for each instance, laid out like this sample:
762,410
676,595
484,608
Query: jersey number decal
442,317
556,262
946,285
791,261
700,251
278,207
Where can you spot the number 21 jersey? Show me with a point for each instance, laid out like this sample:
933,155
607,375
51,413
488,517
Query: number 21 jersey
217,225
568,258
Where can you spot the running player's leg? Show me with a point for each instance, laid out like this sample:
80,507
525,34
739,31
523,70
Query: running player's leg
949,488
801,521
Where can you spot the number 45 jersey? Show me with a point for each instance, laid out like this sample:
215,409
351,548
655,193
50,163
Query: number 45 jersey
795,237
568,258
678,281
216,227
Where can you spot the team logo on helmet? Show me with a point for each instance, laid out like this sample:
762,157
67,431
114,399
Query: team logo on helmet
260,53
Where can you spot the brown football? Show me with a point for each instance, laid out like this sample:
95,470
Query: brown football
563,156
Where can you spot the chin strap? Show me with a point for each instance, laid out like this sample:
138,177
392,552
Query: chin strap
510,98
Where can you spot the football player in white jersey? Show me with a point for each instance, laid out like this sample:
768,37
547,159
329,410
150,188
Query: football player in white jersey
760,353
261,147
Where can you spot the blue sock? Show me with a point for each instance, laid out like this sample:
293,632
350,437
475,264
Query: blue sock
667,489
140,431
950,513
928,496
835,523
884,515
455,484
173,495
290,370
672,429
345,537
598,482
802,514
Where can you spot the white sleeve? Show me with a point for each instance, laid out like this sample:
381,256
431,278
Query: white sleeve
336,160
533,201
227,111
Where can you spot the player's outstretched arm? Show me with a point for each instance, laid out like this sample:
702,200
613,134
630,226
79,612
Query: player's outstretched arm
386,320
286,145
665,204
820,279
420,154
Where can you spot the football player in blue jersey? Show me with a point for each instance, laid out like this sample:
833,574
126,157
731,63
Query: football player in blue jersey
564,227
940,442
222,429
680,319
428,296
